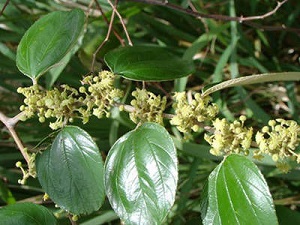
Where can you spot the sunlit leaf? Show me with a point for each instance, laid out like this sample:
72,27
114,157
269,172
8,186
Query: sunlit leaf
141,175
237,193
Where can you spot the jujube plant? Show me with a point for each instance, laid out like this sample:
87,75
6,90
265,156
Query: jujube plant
140,173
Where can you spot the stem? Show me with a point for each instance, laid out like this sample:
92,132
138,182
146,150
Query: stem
241,19
10,124
72,221
121,40
122,22
3,8
104,41
279,4
211,16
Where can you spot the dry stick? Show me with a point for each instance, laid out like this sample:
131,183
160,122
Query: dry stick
279,4
6,4
122,22
10,124
240,19
72,221
211,16
121,40
104,41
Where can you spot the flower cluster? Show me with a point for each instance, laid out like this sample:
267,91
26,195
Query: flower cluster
230,137
49,104
31,171
189,114
100,95
95,97
147,107
279,139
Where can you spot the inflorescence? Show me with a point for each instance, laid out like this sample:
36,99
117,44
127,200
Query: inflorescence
230,137
95,97
279,140
190,114
147,107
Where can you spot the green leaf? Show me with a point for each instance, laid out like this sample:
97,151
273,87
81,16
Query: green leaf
287,216
237,193
71,171
5,193
55,72
254,79
26,214
141,175
48,40
147,63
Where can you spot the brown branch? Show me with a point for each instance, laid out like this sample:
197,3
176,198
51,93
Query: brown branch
279,4
104,41
71,220
211,16
3,8
241,19
122,21
121,40
10,124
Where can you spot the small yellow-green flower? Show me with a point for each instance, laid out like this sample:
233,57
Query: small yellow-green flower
66,103
229,137
279,140
147,107
189,114
100,94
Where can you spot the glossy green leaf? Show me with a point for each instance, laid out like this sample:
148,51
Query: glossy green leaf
5,194
141,175
48,40
26,214
237,193
254,79
147,63
71,171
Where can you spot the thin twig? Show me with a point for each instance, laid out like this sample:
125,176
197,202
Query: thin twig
211,16
241,19
121,40
10,124
122,22
104,41
3,8
279,4
71,220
